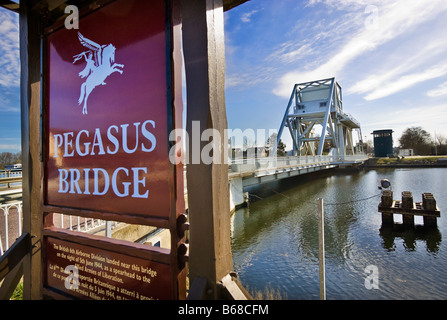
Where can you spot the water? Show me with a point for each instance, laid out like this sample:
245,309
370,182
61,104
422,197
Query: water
275,240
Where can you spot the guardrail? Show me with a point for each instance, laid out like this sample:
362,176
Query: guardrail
10,173
8,177
7,182
274,163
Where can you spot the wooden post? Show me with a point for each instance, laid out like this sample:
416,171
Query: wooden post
210,256
407,203
429,203
30,92
387,201
321,259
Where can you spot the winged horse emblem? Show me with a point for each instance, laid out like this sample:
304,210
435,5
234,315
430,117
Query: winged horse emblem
100,61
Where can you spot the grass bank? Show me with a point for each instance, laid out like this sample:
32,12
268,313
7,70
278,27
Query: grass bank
416,161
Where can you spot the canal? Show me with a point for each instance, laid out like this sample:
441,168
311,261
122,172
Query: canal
275,240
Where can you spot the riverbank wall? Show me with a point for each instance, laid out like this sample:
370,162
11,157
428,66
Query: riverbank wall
408,162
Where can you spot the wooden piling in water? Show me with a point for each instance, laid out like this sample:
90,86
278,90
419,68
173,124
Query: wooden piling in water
387,201
429,203
427,208
407,203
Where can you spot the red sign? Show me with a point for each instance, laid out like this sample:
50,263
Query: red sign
108,112
85,272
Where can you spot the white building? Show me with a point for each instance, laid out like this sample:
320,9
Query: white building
406,152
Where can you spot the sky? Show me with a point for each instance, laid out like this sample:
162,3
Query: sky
9,82
389,57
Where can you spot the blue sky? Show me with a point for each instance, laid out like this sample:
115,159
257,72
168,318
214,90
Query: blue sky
388,56
9,82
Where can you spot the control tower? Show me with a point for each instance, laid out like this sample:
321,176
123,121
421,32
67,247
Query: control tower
314,115
383,143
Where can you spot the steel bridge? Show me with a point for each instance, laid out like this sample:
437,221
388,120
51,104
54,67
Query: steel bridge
316,120
318,125
245,173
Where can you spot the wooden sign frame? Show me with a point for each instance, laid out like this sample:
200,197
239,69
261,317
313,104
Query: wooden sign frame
173,258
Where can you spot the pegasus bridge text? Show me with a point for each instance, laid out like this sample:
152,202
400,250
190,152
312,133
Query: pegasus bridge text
117,139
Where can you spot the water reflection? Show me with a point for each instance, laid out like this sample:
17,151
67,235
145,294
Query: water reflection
409,234
290,208
275,240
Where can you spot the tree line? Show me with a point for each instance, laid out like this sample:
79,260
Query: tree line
422,142
10,158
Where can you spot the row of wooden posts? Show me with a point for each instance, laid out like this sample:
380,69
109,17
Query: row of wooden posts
408,208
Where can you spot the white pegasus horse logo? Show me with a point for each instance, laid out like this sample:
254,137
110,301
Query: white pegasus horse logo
100,64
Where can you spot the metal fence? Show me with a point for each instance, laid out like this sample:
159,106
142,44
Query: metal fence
274,163
10,207
13,228
12,224
81,224
6,209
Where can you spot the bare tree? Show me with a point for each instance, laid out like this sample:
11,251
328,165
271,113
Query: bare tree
9,158
440,144
417,139
270,143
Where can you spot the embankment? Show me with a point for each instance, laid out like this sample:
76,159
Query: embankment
408,162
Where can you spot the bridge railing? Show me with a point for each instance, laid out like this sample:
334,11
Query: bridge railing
10,178
271,163
354,158
10,173
274,163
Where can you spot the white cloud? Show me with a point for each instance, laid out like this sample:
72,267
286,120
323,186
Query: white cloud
255,76
433,115
10,147
431,118
290,52
407,81
7,108
342,3
9,49
403,69
441,90
246,17
396,19
10,144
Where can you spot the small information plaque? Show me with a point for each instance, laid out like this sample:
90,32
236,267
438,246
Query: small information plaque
84,272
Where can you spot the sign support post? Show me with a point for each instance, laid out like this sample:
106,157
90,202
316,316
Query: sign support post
210,258
30,95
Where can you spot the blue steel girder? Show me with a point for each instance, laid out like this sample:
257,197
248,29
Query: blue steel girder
317,102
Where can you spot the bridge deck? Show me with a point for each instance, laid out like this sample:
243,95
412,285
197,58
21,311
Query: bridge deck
269,166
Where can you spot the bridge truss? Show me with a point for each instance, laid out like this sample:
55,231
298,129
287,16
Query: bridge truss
314,116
